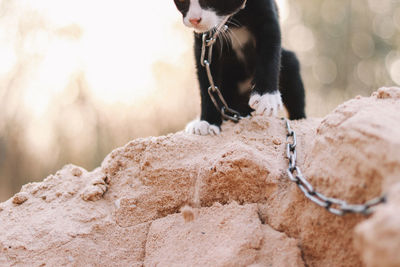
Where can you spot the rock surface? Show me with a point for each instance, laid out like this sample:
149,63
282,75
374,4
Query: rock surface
379,238
184,200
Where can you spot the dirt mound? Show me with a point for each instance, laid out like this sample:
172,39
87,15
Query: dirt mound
184,200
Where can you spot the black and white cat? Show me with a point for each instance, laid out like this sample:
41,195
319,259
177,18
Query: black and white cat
252,70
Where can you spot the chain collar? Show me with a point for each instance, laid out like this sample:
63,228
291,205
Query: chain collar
208,41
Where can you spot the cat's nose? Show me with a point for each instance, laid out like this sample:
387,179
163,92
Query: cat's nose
195,21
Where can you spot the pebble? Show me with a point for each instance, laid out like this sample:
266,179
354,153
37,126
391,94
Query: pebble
277,142
76,172
20,198
188,214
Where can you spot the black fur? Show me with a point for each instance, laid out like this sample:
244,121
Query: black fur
271,66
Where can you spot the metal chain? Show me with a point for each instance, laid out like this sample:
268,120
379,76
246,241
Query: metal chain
209,40
333,205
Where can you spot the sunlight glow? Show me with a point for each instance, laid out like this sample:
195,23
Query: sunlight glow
8,58
395,72
114,44
283,9
119,52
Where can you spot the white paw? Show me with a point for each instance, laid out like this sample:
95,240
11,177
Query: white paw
202,128
268,104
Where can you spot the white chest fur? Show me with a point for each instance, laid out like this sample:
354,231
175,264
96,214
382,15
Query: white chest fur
240,37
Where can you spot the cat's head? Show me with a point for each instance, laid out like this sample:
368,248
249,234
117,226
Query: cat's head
204,15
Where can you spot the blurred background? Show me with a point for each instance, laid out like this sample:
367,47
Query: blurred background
80,78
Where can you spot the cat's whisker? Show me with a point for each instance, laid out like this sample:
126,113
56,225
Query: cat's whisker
221,44
234,22
237,21
222,37
222,41
227,39
233,35
219,40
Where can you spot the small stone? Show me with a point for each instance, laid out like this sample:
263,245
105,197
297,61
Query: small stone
276,142
20,198
95,190
77,172
92,193
188,214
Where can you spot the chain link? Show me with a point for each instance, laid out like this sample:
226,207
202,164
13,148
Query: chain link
208,41
333,205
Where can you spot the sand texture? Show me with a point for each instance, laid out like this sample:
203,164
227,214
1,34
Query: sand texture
185,200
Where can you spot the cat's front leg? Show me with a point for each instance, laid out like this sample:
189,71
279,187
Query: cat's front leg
265,98
210,120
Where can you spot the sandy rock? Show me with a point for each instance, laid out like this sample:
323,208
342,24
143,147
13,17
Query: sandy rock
52,219
235,234
129,211
378,239
353,155
360,139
